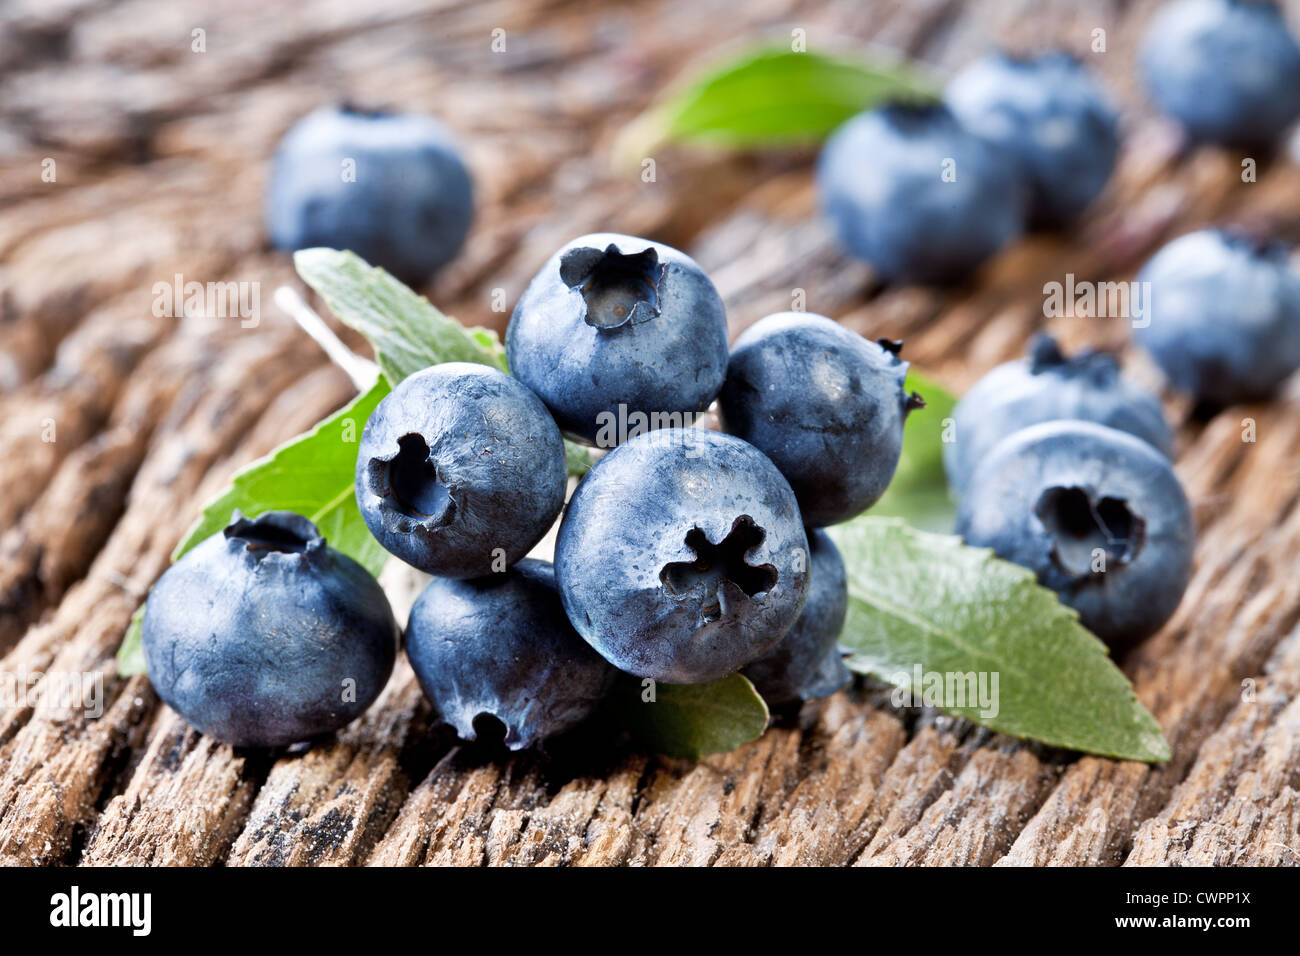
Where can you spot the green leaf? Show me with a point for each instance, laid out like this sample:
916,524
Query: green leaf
130,656
408,334
691,720
770,96
579,458
919,491
311,475
927,601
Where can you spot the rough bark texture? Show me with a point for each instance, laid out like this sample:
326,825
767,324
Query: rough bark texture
160,154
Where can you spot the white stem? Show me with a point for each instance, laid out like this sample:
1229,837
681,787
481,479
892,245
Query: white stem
363,372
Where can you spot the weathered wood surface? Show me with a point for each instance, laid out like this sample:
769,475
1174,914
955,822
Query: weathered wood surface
160,156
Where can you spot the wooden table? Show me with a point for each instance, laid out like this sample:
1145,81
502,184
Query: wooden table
160,157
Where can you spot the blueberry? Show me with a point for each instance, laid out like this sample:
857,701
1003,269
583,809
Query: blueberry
262,636
807,663
1224,315
824,404
500,647
682,556
914,193
1050,115
460,470
391,188
1228,70
1096,514
618,336
1047,386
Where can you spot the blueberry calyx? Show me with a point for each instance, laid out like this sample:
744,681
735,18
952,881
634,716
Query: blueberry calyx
906,112
721,572
618,289
410,488
1080,526
1045,355
1256,241
1026,58
275,532
352,108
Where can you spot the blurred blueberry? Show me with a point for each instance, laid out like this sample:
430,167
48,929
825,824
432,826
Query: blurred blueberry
1224,315
1047,386
917,195
1052,116
408,208
500,646
1228,70
618,335
682,556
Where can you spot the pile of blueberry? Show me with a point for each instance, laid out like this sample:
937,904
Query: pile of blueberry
1061,465
684,555
927,192
687,554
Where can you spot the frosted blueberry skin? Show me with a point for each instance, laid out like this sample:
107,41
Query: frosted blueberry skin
501,646
1051,494
459,467
682,556
1227,70
615,320
408,209
258,633
1047,386
807,662
1224,316
1050,114
826,405
880,178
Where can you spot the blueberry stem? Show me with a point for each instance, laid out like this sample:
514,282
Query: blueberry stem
363,372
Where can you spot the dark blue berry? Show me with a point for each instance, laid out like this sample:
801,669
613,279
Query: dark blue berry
824,404
1047,386
682,556
807,663
262,636
500,647
460,470
1224,319
1096,514
1228,70
619,335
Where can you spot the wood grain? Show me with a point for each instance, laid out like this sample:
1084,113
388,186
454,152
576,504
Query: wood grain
161,155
